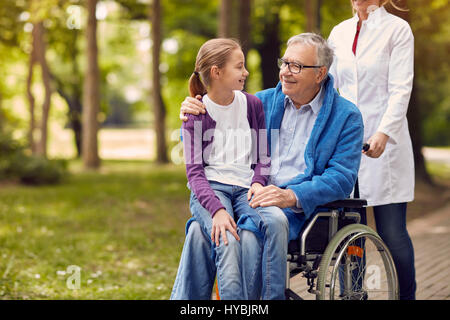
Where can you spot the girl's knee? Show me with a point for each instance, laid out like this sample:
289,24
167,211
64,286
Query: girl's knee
197,237
249,240
233,243
194,228
195,231
277,220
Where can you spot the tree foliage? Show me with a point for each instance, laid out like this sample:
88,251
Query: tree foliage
429,21
125,46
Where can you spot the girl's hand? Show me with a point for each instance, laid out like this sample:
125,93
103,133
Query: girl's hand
254,189
192,106
223,221
377,145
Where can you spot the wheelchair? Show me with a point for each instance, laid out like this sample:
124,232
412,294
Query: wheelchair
340,258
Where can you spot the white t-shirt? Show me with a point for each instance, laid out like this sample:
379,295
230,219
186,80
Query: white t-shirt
230,157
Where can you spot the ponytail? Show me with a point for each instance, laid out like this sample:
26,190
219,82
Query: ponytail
196,86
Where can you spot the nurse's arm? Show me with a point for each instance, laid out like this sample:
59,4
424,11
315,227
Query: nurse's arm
400,81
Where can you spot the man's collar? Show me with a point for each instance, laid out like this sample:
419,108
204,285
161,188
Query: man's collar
316,103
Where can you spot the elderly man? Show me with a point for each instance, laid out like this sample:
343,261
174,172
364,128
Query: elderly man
315,138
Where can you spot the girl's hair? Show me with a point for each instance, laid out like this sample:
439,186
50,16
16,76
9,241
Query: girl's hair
392,3
382,3
214,52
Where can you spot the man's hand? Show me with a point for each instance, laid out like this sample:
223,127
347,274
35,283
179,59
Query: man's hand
192,106
273,196
253,189
377,145
223,221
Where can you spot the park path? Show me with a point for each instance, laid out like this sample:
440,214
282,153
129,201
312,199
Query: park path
437,154
431,240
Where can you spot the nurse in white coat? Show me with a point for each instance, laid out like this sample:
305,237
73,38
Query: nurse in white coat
373,68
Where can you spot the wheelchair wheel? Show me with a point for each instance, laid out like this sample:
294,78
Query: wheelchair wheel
357,265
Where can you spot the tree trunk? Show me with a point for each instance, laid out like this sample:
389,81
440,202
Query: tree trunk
76,106
318,17
30,96
244,25
415,130
2,117
270,51
91,93
312,15
244,28
414,115
70,91
41,147
75,110
225,15
159,110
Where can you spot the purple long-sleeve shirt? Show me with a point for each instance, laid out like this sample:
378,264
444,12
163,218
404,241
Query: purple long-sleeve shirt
195,144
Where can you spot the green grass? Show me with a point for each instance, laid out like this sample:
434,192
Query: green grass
123,226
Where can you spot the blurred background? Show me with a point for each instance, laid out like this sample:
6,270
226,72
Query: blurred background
93,196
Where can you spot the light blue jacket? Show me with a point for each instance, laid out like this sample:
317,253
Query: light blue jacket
332,155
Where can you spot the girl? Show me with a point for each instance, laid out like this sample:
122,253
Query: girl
224,167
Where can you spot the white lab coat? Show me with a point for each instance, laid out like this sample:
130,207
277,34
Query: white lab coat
379,81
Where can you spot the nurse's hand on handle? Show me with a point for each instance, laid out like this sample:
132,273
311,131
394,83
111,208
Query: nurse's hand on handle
377,144
192,106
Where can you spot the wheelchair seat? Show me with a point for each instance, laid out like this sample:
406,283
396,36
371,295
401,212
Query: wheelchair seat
318,229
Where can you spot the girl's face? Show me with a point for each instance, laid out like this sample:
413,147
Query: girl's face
232,76
361,6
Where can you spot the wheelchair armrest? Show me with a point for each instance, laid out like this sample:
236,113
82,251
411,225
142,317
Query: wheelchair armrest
346,203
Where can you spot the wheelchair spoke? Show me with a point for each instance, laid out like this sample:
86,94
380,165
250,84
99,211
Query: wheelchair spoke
360,268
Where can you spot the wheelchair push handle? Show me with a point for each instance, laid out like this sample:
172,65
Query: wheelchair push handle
366,147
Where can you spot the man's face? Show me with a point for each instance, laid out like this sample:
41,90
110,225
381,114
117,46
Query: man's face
300,86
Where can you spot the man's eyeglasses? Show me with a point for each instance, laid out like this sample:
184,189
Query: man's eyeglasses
292,66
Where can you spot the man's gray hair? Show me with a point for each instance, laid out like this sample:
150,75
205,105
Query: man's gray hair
324,52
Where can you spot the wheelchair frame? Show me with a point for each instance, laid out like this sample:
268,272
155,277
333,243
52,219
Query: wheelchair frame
304,258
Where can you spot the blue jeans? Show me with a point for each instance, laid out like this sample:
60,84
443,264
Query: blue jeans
223,260
239,262
390,220
265,260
